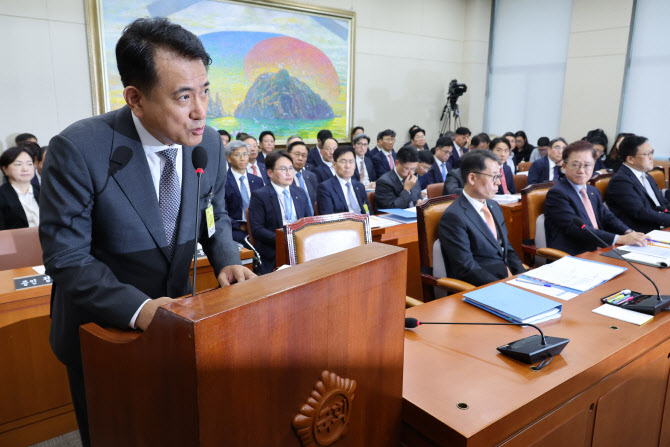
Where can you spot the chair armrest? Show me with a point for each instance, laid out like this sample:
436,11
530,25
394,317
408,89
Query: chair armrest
550,253
411,302
454,285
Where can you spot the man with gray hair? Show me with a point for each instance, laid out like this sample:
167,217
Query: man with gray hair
239,184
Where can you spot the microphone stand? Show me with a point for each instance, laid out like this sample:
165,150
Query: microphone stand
199,173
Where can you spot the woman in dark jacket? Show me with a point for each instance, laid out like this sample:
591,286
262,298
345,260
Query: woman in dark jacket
19,199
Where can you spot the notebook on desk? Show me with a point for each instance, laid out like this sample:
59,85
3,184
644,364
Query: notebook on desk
513,304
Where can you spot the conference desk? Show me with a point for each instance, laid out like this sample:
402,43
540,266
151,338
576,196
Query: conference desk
35,403
609,387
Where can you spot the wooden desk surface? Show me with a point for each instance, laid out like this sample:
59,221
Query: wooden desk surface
447,365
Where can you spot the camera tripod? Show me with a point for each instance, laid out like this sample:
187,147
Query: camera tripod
450,111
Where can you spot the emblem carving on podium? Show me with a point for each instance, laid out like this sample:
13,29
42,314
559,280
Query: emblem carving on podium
324,418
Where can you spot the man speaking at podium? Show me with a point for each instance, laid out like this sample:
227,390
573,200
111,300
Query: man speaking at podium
119,191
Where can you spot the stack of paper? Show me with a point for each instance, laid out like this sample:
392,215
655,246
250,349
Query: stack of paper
515,305
622,314
407,215
381,222
507,198
573,274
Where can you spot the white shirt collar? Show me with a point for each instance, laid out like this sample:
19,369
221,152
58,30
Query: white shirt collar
28,194
476,204
149,142
360,158
387,153
237,175
279,189
344,182
637,173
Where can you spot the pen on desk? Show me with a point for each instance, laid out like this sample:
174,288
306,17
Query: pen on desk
627,299
658,242
613,299
620,299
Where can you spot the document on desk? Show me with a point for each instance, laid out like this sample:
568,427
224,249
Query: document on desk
622,314
407,215
652,253
547,289
573,274
513,304
507,198
658,235
380,222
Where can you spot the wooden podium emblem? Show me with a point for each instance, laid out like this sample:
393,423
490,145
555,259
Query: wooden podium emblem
325,416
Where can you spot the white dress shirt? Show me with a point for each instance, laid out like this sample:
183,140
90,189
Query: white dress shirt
280,197
551,170
241,185
30,205
345,191
477,205
642,177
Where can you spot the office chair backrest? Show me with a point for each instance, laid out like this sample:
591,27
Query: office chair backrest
601,181
428,216
20,248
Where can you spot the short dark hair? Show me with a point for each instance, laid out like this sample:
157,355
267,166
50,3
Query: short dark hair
343,150
475,141
629,145
598,133
246,136
444,141
578,146
323,135
415,130
43,150
9,155
242,136
426,157
23,137
224,132
407,154
543,141
555,140
385,133
361,136
142,39
499,140
475,161
463,131
34,149
294,144
353,131
272,157
509,134
484,138
265,133
597,139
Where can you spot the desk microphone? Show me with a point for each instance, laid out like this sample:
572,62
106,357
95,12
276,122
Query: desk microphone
651,305
528,350
199,159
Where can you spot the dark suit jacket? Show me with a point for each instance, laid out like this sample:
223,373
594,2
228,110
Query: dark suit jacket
314,159
390,192
12,215
265,217
312,182
434,174
369,168
509,176
107,253
455,159
35,181
234,202
539,171
629,201
470,251
263,172
382,163
562,205
261,157
454,183
331,197
323,173
372,152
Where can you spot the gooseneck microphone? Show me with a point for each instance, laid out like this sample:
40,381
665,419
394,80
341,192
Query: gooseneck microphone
646,304
199,159
528,350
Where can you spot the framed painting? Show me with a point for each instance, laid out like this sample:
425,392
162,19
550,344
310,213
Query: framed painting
276,66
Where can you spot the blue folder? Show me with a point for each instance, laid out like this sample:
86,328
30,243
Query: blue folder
511,303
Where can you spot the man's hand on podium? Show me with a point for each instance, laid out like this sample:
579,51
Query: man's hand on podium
148,310
234,273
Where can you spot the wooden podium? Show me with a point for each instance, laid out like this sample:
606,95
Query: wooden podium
309,355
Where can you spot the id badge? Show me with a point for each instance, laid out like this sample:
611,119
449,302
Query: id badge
211,228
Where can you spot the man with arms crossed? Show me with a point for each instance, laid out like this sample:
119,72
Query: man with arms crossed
117,255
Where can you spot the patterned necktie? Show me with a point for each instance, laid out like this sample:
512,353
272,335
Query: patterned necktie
354,207
503,181
650,191
362,172
245,196
169,197
304,188
444,171
589,208
288,207
390,161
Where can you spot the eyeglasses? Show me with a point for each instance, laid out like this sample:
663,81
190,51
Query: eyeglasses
361,143
388,139
578,166
298,154
445,150
558,148
240,154
346,162
285,170
496,178
648,155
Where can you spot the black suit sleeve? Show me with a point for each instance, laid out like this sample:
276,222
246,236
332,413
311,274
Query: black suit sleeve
623,198
324,200
260,218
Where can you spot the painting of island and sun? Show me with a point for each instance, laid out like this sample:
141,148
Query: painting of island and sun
272,69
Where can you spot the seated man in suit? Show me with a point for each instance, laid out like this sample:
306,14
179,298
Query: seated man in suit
372,152
342,193
472,230
275,205
632,194
303,177
424,168
400,187
571,197
315,159
254,166
454,183
461,140
541,150
501,147
365,168
326,170
548,168
385,158
438,172
239,185
266,142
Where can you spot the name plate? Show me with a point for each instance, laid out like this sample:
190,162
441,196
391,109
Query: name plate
27,282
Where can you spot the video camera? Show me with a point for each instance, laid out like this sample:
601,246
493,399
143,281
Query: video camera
456,90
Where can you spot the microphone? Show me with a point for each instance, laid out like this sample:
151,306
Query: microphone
199,160
257,257
646,304
528,350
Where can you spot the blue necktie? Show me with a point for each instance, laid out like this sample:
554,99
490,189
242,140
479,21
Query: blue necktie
355,207
169,197
288,207
304,188
557,173
444,172
245,196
